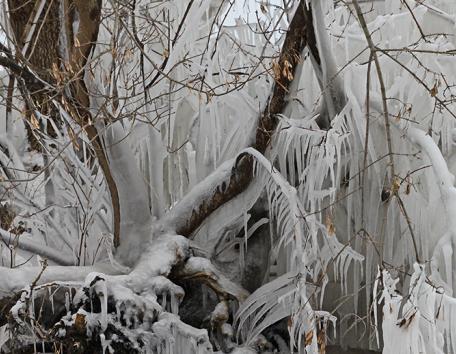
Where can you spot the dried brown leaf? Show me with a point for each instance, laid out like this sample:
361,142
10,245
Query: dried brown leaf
34,122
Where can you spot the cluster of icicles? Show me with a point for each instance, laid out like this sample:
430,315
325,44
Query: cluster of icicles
146,323
312,237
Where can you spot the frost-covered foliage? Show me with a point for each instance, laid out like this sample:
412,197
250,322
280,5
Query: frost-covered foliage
344,234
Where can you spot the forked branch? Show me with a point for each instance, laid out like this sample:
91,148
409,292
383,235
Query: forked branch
238,179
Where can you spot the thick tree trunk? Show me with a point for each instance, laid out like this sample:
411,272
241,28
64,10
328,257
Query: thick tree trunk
55,52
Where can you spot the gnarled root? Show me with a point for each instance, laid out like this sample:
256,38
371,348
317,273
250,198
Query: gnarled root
118,312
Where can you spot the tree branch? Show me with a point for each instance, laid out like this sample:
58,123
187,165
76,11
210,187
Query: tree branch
17,241
232,183
90,17
196,268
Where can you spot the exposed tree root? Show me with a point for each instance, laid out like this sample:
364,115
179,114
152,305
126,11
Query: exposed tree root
135,310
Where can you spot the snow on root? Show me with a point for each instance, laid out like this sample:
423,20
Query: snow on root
139,309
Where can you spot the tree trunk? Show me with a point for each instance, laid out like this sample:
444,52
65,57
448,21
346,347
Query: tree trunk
58,55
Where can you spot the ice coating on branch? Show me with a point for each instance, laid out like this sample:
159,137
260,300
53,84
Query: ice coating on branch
16,279
181,212
97,284
420,321
135,214
326,213
197,266
163,252
174,336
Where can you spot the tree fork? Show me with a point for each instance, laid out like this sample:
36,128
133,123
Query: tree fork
299,34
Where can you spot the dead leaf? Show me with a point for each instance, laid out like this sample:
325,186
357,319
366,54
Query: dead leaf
80,323
309,337
396,185
409,110
290,322
408,187
330,225
287,72
276,70
434,91
34,122
321,339
56,73
73,138
128,54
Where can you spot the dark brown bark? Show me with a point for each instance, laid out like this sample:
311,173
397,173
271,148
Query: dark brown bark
296,39
44,59
43,48
89,12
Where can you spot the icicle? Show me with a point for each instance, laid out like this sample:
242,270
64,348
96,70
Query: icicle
51,299
19,307
377,278
242,257
246,231
447,251
98,286
174,304
163,301
105,344
4,337
191,158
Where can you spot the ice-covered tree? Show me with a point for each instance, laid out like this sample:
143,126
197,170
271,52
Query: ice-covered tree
201,176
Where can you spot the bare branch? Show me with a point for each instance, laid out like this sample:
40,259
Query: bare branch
240,176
